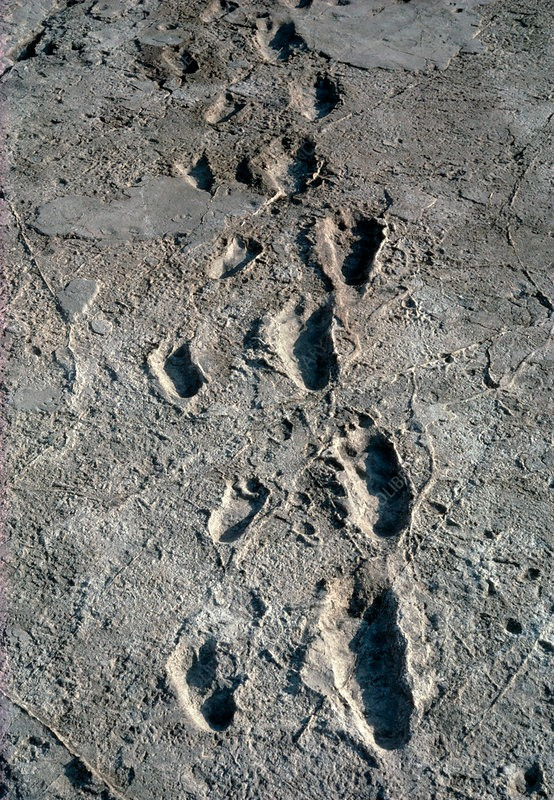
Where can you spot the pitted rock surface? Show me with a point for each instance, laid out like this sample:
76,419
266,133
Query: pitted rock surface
277,369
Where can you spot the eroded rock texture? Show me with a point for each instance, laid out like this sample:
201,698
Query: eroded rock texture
277,393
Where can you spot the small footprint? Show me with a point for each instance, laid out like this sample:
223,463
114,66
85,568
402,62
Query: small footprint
217,9
242,501
185,376
224,109
205,681
286,40
245,173
239,252
314,99
262,172
177,374
285,167
76,297
278,43
202,175
167,63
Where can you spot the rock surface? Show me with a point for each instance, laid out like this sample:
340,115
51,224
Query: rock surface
278,377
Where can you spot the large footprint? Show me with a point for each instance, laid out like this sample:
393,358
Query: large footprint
378,491
357,654
357,660
302,337
348,248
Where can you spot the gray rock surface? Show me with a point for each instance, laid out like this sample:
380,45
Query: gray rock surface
279,363
77,296
394,35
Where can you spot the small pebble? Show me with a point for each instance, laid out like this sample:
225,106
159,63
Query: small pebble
100,326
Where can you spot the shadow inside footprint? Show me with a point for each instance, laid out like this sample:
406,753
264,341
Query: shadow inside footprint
202,174
386,481
314,351
326,96
202,672
219,709
183,372
189,63
78,775
244,173
368,235
203,676
380,653
286,40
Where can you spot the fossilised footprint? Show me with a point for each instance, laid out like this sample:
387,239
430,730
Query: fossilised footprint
348,248
314,350
224,108
357,659
386,481
242,501
379,494
304,342
203,676
316,101
201,174
327,95
278,43
166,62
367,237
177,374
238,254
206,688
380,669
183,373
